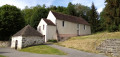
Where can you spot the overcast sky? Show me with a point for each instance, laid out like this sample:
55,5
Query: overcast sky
22,3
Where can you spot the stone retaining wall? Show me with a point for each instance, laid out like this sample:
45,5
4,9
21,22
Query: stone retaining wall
4,43
110,46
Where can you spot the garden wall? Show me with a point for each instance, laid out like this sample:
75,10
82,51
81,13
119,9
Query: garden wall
110,46
4,43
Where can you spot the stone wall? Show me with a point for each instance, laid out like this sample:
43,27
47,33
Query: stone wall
29,41
110,46
4,43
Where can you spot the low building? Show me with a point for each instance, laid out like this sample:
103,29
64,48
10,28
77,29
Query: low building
27,36
58,26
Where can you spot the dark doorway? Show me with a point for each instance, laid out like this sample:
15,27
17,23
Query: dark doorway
78,33
16,44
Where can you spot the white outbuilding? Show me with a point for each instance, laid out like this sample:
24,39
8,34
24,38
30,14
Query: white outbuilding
27,36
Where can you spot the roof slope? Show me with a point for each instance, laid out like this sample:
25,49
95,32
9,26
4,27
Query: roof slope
28,31
49,22
70,18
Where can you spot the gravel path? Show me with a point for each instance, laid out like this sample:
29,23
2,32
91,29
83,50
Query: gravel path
76,53
71,53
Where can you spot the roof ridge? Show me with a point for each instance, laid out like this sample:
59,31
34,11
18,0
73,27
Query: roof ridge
24,29
65,14
28,31
48,21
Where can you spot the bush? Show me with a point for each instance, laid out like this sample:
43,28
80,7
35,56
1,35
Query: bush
52,40
119,27
112,28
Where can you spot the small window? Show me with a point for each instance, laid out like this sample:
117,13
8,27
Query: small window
43,27
39,28
84,27
63,23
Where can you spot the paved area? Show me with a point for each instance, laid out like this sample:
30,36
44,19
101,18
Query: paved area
71,53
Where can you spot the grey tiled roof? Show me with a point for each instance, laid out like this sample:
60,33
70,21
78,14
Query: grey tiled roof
70,18
28,31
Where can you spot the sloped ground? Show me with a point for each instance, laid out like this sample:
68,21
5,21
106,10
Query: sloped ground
89,43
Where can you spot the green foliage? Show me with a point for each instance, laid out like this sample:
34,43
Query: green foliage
102,21
93,19
11,20
82,11
33,15
119,27
112,15
52,40
27,12
43,49
71,9
60,9
37,15
112,28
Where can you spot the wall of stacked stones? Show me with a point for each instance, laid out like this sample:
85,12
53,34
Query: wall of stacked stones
30,41
110,46
4,43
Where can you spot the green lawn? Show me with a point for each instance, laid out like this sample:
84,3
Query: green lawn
2,56
43,49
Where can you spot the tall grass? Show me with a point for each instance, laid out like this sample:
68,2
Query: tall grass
90,42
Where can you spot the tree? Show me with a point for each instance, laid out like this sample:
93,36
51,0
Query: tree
93,19
52,8
11,20
71,9
27,12
102,21
62,9
82,11
112,15
37,15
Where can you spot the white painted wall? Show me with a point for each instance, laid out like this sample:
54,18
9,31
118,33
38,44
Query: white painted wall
69,27
86,31
51,32
51,17
19,39
43,32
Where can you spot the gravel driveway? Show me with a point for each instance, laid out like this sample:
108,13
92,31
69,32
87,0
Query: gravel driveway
71,53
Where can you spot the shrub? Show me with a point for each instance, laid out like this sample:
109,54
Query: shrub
52,40
119,27
112,28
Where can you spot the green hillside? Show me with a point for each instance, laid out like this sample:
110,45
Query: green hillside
90,42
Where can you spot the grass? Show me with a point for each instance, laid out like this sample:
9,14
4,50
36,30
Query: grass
43,49
2,56
90,42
